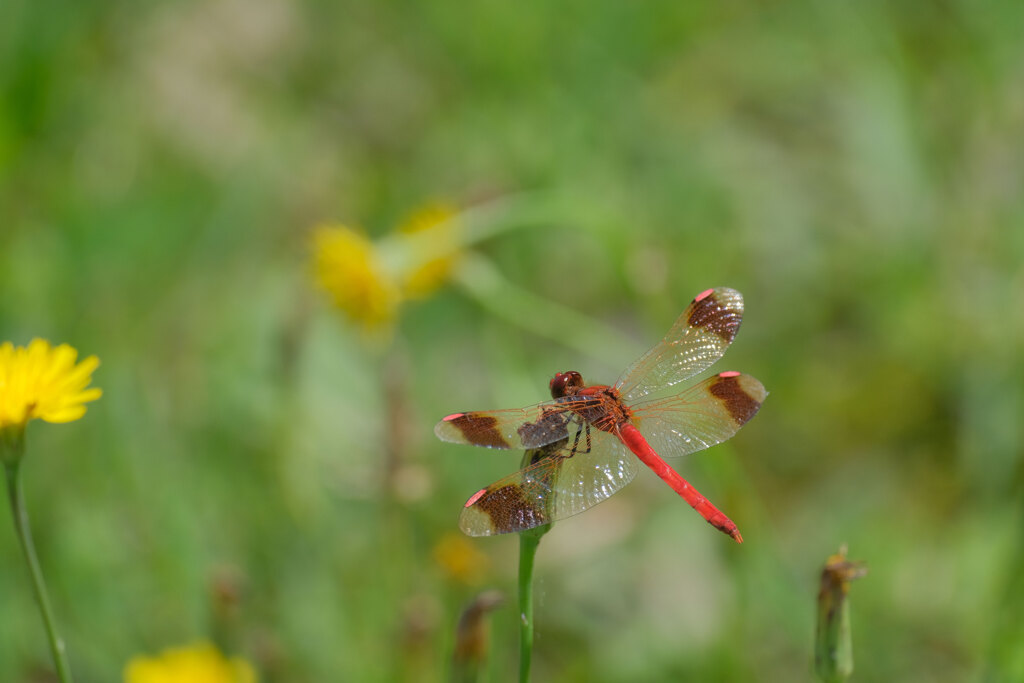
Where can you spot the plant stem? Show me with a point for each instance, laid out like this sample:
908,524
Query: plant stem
16,497
482,280
528,542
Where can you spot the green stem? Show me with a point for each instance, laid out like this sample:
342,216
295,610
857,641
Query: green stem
517,306
14,492
528,542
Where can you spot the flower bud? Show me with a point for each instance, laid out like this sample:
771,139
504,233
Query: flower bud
833,647
473,635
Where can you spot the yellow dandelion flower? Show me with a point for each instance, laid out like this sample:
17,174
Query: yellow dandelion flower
39,381
348,268
459,558
197,663
427,276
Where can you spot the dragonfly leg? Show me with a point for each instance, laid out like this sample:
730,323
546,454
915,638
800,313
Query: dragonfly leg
576,441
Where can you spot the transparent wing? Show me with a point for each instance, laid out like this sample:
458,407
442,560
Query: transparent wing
697,339
564,479
706,414
519,428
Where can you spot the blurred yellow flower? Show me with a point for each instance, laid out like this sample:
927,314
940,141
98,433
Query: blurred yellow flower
39,381
428,276
459,559
197,663
368,281
348,268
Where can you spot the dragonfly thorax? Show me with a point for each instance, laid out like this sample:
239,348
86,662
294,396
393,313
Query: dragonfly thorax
566,384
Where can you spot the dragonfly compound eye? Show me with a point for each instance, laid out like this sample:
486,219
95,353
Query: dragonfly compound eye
564,383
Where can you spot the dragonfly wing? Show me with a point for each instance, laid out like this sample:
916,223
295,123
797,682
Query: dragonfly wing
697,339
586,479
563,480
706,414
520,428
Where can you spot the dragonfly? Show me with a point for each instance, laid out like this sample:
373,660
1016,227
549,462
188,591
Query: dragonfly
583,445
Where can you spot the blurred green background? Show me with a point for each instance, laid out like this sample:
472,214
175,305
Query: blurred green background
263,473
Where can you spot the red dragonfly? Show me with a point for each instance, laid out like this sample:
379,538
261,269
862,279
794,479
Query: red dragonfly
582,443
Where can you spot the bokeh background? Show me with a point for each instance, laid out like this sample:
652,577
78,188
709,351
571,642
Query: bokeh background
261,470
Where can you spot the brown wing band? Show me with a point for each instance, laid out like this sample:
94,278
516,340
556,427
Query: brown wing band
741,405
709,313
479,430
508,509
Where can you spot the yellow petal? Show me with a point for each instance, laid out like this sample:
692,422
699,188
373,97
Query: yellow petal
197,663
44,382
427,274
348,269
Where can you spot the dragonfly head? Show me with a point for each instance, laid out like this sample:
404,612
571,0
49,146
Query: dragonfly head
566,384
